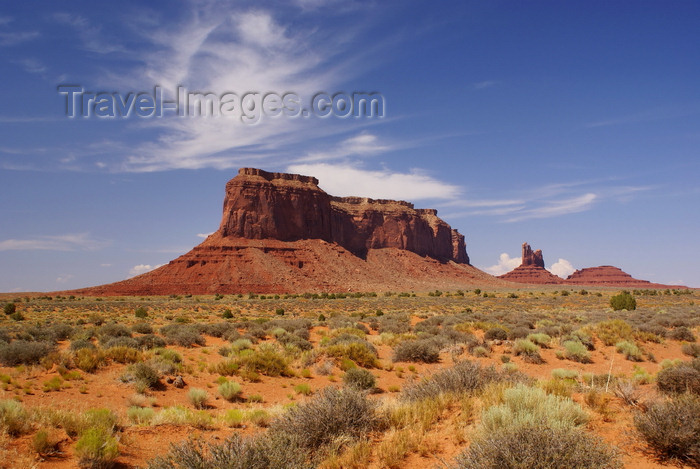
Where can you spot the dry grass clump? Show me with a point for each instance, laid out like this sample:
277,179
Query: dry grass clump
257,452
672,429
465,377
538,448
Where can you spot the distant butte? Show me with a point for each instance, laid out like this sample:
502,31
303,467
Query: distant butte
281,233
532,271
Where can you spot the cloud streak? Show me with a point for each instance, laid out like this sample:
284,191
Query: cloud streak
67,242
344,179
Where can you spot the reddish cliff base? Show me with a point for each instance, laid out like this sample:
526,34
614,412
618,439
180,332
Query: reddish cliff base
236,265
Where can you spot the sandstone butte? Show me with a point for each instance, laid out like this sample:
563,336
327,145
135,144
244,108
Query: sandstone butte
281,233
532,271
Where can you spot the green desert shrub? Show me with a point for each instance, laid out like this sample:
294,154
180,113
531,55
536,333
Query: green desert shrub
629,350
96,449
623,300
140,415
613,331
527,406
9,308
14,419
266,360
198,397
538,448
528,350
576,351
540,339
416,351
230,390
672,429
141,312
332,414
359,378
362,353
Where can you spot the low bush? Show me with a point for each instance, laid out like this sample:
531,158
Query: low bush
96,449
361,353
681,378
527,406
692,350
230,390
463,378
623,300
538,447
266,360
682,334
360,379
629,350
672,429
496,333
416,351
528,350
198,397
21,352
236,452
614,331
333,413
183,335
576,351
14,418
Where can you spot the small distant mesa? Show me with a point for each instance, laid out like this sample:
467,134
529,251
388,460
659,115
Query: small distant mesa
532,271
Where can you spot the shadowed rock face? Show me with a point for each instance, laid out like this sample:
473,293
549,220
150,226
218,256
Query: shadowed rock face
290,207
532,258
280,233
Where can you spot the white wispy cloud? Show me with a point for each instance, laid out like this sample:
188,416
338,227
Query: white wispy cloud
142,269
505,264
67,242
90,34
344,179
8,39
228,47
485,84
204,235
362,145
555,208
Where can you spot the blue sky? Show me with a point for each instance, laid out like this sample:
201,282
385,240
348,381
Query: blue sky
574,126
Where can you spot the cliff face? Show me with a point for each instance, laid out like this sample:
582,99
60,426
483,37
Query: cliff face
280,233
290,207
530,257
